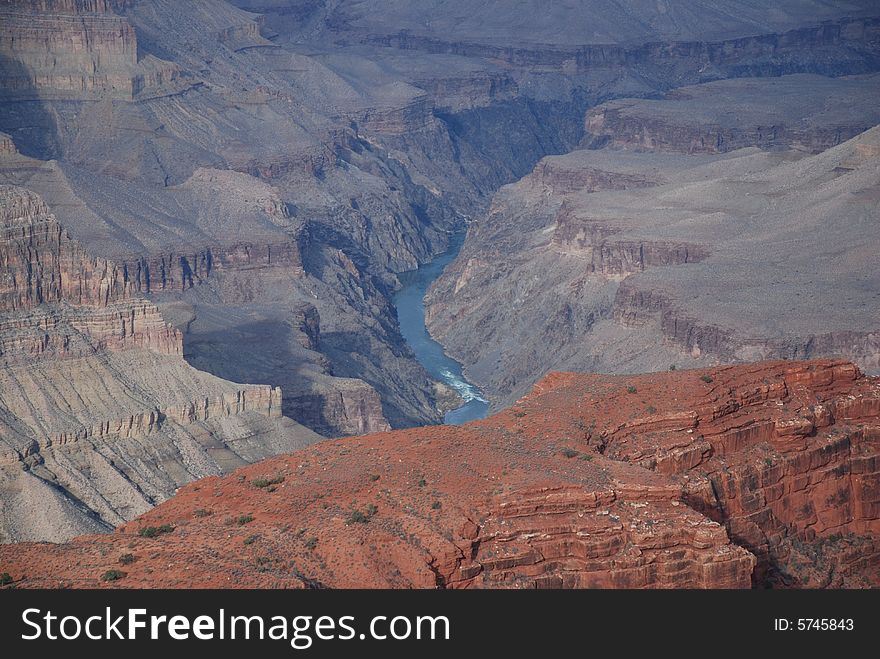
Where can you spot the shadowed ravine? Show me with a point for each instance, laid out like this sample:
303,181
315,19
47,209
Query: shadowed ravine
410,304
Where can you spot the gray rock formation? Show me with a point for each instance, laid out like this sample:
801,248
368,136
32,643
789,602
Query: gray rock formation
621,260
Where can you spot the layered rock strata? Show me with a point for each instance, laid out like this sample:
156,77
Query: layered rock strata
722,478
100,417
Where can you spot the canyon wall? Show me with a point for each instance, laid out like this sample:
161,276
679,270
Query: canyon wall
644,254
101,417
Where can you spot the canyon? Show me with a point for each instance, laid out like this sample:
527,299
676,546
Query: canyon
669,242
208,207
762,474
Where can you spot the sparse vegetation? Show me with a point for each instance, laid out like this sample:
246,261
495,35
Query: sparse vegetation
374,477
311,543
436,505
201,512
631,389
672,367
422,482
5,579
241,520
768,462
266,481
113,575
519,414
650,409
586,456
359,517
155,531
706,378
251,539
127,559
569,452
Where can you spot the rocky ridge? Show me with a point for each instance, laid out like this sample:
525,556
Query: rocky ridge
751,475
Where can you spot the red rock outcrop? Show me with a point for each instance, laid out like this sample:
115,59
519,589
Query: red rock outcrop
758,474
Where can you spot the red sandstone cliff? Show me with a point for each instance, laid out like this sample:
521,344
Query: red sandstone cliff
759,474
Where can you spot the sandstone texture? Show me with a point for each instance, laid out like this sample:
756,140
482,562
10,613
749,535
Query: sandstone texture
755,475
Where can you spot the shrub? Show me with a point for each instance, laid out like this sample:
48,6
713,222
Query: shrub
127,559
374,477
768,462
650,409
201,512
672,367
113,575
153,531
371,510
265,481
357,517
241,520
631,389
706,378
569,452
251,539
311,543
5,579
422,482
519,414
436,505
587,457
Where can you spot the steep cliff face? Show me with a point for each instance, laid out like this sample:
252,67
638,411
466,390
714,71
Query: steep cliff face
101,417
800,111
729,477
77,50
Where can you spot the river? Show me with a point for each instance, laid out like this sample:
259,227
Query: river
410,303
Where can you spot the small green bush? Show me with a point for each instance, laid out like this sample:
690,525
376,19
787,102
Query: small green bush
154,531
127,559
672,367
587,457
569,452
372,509
201,512
311,543
113,575
251,539
266,481
241,520
706,378
422,482
374,477
436,505
357,517
631,389
5,579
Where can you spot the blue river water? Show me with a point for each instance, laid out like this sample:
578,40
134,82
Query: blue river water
410,303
